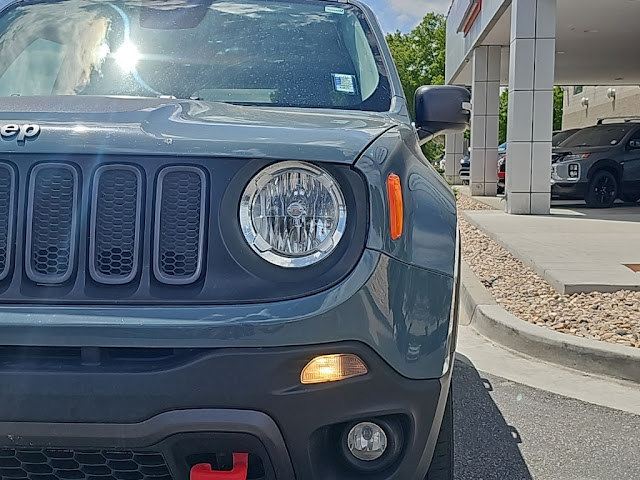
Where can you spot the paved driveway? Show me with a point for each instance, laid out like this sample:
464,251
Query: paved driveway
510,426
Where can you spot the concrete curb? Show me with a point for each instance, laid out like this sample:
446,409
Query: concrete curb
590,356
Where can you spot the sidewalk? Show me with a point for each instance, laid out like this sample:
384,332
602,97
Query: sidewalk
575,249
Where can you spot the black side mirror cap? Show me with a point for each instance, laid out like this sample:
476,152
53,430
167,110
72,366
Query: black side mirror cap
441,109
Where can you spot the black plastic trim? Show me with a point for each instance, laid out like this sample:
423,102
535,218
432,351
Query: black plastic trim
11,219
95,274
154,430
67,404
157,269
570,190
73,231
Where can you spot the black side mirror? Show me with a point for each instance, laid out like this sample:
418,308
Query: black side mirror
441,109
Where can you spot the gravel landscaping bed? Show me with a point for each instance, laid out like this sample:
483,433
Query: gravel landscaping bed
611,317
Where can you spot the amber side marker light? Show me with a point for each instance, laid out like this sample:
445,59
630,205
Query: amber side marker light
396,207
332,368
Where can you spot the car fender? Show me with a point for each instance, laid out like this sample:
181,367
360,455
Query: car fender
606,164
430,218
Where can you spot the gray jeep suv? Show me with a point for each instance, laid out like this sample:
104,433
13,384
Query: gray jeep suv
222,252
599,164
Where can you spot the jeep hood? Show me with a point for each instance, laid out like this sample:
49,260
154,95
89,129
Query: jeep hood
156,126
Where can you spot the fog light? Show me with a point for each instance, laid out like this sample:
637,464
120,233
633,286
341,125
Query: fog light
332,368
574,170
367,441
371,445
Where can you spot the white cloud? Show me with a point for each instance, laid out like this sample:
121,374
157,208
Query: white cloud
406,14
418,8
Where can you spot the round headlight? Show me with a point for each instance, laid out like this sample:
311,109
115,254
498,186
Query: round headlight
293,214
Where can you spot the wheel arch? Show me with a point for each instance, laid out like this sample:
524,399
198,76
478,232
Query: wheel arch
607,165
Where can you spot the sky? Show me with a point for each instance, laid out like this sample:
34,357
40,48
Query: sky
403,15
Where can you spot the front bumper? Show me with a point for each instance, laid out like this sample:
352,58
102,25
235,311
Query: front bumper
188,383
569,190
196,404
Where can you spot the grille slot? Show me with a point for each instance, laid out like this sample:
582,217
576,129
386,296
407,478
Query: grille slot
52,223
52,464
116,214
7,214
179,225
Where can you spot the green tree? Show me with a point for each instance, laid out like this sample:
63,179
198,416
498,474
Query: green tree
420,59
558,107
502,123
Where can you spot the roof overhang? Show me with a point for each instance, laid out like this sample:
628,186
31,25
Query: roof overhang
597,42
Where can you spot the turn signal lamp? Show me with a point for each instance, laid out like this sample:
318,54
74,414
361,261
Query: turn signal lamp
396,208
332,368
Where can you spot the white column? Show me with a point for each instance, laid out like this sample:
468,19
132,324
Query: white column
484,120
454,151
530,118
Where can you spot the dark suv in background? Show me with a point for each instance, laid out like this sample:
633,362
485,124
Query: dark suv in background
558,138
562,136
599,164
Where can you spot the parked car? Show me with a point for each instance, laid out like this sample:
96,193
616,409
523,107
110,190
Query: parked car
465,168
556,140
221,245
502,167
599,164
560,136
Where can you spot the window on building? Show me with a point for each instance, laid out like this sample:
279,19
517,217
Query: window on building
578,90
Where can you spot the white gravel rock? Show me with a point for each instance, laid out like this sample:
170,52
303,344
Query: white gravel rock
610,317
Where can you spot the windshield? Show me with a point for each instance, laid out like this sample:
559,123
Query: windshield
560,137
598,136
254,52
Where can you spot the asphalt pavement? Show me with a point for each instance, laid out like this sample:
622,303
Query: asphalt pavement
521,428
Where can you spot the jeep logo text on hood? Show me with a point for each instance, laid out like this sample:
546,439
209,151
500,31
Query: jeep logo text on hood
20,132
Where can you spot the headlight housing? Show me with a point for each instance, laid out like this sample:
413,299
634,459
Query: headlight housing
573,158
293,214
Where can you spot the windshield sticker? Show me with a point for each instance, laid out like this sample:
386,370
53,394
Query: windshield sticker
344,83
337,10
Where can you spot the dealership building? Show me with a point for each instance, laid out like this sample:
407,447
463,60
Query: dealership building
583,106
529,46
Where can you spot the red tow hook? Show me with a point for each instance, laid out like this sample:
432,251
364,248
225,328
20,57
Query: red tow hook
203,471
